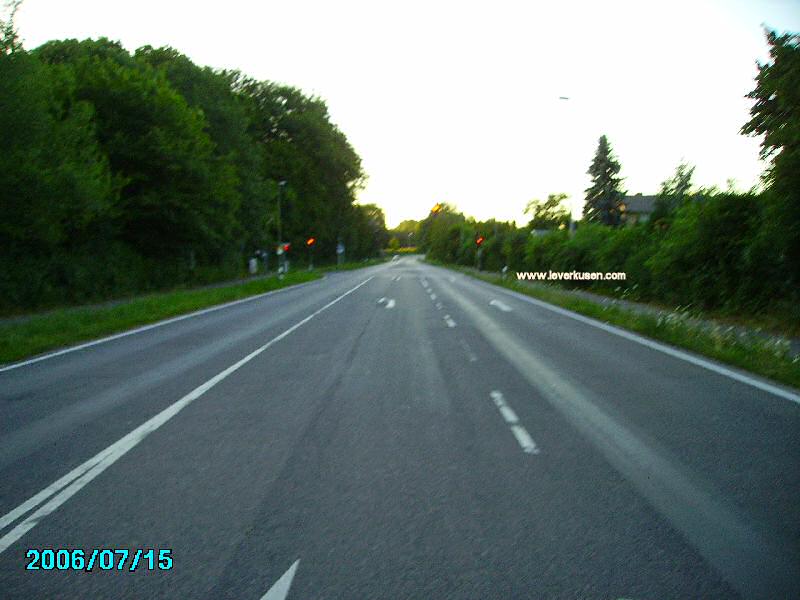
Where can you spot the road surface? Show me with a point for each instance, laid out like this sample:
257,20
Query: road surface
400,431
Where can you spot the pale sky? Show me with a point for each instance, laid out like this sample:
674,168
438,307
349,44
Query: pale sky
459,101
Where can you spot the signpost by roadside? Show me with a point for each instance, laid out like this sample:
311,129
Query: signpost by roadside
339,253
283,259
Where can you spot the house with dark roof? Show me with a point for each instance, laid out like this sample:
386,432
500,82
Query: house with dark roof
638,208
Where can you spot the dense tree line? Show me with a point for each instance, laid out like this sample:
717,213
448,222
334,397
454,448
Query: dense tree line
708,248
710,255
126,172
405,235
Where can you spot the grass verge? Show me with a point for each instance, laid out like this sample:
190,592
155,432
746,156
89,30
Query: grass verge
68,326
755,354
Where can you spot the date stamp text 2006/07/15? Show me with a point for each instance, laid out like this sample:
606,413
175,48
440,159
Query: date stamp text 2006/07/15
103,559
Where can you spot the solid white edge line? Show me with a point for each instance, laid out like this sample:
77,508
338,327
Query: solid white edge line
51,489
151,326
280,589
71,483
674,352
62,496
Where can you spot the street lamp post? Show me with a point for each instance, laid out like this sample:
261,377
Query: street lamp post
572,224
281,259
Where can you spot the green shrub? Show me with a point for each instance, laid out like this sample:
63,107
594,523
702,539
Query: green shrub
701,259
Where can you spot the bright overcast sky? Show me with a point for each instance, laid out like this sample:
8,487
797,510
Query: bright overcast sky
459,101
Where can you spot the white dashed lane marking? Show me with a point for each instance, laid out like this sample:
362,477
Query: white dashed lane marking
509,416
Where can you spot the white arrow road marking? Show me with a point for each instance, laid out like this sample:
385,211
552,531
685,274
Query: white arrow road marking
280,589
390,303
500,305
449,321
70,484
523,437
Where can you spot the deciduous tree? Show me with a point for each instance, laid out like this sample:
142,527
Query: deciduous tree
776,116
549,214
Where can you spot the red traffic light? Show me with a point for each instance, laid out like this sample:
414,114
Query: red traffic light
479,240
311,241
286,247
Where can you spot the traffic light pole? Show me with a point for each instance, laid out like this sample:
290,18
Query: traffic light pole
479,254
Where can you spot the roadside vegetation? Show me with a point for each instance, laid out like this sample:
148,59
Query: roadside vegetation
719,254
124,173
702,253
31,335
728,254
758,354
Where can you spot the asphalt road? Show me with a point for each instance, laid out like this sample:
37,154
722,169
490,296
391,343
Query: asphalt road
396,432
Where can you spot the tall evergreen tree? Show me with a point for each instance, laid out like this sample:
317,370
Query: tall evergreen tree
604,197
